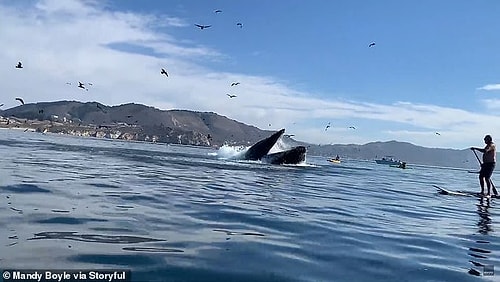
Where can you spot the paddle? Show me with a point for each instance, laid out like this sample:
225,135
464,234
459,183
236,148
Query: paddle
491,181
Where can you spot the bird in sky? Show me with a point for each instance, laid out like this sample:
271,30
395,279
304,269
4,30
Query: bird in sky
371,44
89,83
81,85
1,105
234,83
231,96
327,126
68,83
240,25
352,127
20,100
437,133
202,26
19,65
163,71
218,11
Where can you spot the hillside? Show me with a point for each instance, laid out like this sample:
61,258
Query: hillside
143,123
139,121
401,151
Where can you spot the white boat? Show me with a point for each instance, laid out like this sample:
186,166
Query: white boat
388,160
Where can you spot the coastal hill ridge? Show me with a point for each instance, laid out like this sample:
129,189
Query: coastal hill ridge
144,123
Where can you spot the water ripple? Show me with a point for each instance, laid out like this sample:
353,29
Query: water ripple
97,238
24,188
112,204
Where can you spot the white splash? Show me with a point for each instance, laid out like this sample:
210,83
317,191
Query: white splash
230,152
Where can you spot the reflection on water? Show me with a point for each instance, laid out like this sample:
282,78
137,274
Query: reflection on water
484,223
481,254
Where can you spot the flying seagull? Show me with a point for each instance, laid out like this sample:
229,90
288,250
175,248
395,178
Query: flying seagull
352,127
240,25
20,100
68,83
437,133
234,83
327,126
231,96
80,85
202,26
19,65
163,71
1,105
371,44
218,11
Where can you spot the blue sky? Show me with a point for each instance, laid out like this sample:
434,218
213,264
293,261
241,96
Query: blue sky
435,66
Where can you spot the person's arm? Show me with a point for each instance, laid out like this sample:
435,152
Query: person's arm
478,149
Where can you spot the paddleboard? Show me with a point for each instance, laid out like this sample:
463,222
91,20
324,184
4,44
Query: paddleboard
445,191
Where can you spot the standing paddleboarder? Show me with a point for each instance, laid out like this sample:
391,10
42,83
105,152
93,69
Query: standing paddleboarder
488,165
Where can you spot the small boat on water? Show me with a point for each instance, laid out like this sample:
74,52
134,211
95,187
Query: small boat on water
335,160
388,160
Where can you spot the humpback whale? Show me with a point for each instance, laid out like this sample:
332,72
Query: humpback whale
261,148
292,156
260,151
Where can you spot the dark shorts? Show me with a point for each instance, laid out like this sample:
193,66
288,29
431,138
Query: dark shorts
486,170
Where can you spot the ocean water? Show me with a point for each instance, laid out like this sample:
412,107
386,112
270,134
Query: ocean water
180,213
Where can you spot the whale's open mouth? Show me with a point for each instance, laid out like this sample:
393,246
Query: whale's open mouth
294,155
260,151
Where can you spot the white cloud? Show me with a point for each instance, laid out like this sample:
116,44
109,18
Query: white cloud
490,87
491,104
69,41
